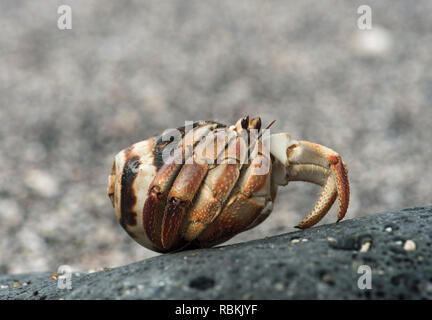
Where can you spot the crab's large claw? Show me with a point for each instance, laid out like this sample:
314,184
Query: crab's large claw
311,162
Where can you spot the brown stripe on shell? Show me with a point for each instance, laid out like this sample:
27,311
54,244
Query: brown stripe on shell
128,196
128,150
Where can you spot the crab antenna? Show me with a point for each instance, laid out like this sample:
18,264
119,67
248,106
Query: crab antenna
271,123
268,127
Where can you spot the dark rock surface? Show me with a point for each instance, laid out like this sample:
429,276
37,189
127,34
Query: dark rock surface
318,263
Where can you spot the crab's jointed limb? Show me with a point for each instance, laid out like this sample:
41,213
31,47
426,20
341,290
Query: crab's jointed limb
311,162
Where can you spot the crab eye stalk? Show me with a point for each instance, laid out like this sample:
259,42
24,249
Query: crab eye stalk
245,122
258,125
255,123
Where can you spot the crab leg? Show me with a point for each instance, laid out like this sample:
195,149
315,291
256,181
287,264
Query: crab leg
311,162
182,217
215,189
185,187
159,188
243,206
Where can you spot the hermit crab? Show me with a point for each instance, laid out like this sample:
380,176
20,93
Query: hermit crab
201,184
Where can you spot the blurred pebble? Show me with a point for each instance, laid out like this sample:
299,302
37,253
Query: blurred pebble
41,182
365,247
125,122
409,245
375,42
279,286
10,213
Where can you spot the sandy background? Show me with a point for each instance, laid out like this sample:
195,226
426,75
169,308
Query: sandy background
70,100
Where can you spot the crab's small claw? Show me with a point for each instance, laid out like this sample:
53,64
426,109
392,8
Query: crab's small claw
311,162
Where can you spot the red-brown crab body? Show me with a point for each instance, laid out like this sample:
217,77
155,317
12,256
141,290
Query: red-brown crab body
215,182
